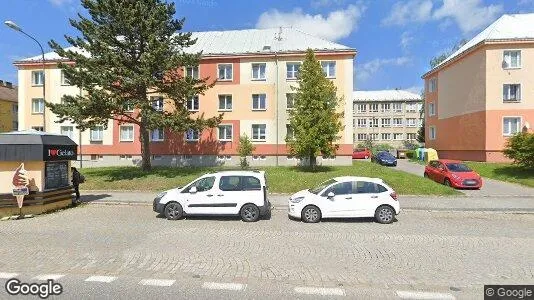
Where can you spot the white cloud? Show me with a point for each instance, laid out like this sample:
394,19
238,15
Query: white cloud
469,15
60,2
406,40
368,69
337,25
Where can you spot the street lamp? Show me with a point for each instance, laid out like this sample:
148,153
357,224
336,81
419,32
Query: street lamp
15,27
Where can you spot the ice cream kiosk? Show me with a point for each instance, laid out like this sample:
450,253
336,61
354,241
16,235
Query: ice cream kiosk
35,172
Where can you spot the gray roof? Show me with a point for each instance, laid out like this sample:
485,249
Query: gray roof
243,42
9,94
385,95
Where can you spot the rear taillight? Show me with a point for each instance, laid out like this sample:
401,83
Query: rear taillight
394,196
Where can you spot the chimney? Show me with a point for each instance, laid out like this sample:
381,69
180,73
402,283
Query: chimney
9,85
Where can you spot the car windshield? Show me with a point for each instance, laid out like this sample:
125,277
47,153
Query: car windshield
455,167
321,186
385,154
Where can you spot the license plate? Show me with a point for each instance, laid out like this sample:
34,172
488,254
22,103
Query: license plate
470,182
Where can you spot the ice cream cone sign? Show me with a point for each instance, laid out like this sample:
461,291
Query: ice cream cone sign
20,184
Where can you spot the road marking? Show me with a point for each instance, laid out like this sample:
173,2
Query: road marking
157,282
424,295
106,279
8,275
224,286
48,276
320,291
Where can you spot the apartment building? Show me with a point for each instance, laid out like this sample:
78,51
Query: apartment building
9,107
386,117
255,72
483,93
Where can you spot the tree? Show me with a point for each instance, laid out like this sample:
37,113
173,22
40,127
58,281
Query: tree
421,131
520,148
129,51
315,122
244,149
434,62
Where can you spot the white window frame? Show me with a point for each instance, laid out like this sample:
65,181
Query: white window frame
158,139
41,106
224,157
259,102
432,132
190,105
506,95
190,72
93,130
225,139
395,134
362,123
259,157
507,61
374,136
396,109
288,97
360,106
70,130
158,103
386,136
414,124
226,77
373,123
362,137
192,139
294,71
259,135
125,157
432,85
326,64
519,125
431,109
383,107
394,124
121,139
371,107
385,124
40,80
258,66
411,107
411,134
225,108
64,80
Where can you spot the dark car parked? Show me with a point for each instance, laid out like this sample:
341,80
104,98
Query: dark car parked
384,158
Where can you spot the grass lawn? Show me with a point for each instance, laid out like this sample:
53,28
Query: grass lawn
504,172
279,179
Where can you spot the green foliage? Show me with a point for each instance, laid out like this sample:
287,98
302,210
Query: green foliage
244,149
434,62
411,154
130,51
381,147
520,148
315,121
410,145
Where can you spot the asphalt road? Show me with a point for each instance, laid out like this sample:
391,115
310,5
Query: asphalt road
136,255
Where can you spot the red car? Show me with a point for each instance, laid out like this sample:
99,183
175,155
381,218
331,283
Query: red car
361,153
453,173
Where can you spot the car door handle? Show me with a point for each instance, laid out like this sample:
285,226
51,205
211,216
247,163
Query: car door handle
209,195
374,197
348,197
220,195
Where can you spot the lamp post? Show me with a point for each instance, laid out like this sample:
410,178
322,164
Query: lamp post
15,27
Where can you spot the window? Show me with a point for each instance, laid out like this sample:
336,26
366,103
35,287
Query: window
259,102
128,107
361,108
362,123
157,135
64,81
411,136
225,102
373,107
325,157
191,135
193,103
96,134
386,107
289,132
157,103
342,188
250,183
259,132
38,128
386,136
187,157
397,122
202,185
411,107
511,92
397,107
432,133
125,157
97,157
329,68
37,77
419,107
411,122
511,125
224,157
225,132
386,122
512,59
38,106
15,109
292,70
230,183
157,157
67,130
225,71
126,133
373,122
432,85
290,100
15,125
431,109
362,136
259,157
258,71
373,136
363,187
192,72
398,136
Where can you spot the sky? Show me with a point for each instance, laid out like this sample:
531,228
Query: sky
394,39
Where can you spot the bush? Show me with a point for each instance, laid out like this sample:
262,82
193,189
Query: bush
411,154
520,148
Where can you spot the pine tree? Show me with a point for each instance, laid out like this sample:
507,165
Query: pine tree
131,50
315,121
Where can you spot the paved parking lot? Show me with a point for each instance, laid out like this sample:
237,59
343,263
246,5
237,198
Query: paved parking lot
438,252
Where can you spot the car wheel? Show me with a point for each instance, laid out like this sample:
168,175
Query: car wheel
173,211
447,182
311,214
425,175
250,213
385,214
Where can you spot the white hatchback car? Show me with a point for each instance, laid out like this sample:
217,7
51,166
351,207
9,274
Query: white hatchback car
346,197
242,193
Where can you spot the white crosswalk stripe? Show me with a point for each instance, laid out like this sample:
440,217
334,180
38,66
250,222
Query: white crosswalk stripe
320,291
157,282
224,286
48,276
106,279
416,295
8,275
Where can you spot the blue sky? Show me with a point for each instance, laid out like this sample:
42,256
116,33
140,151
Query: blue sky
395,39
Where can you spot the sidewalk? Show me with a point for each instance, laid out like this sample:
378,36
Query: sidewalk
490,204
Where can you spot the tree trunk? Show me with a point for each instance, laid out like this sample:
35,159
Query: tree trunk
144,136
313,161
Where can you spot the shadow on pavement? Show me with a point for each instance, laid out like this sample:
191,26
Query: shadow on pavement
93,197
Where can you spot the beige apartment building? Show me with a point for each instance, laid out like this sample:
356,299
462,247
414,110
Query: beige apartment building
386,117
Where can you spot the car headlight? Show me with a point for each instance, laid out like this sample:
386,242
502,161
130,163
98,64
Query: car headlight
296,200
160,195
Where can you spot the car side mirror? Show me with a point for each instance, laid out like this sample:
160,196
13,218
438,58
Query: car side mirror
330,195
193,190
